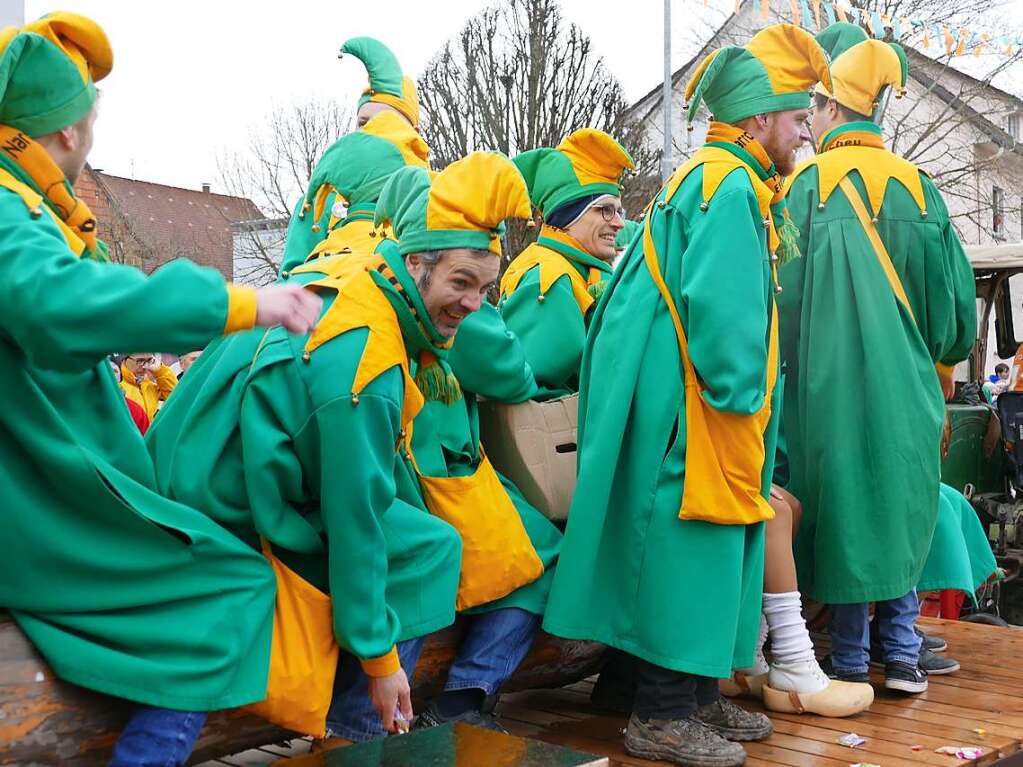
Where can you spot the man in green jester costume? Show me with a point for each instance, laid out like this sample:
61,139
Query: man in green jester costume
305,441
676,384
389,91
549,290
121,590
882,292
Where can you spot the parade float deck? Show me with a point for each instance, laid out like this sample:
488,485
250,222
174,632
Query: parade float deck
981,705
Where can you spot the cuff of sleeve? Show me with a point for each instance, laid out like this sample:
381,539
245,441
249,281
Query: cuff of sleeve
385,665
944,371
241,308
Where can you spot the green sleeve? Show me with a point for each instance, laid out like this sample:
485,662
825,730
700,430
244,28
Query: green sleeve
487,358
552,332
726,289
66,313
344,454
950,288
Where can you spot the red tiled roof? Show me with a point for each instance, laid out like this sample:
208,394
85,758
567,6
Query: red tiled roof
176,222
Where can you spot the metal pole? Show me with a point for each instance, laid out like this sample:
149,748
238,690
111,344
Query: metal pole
666,154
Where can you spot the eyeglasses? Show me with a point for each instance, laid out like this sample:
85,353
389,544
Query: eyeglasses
609,211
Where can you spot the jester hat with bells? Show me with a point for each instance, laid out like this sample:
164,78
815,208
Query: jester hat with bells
387,84
358,164
48,69
463,206
862,68
587,163
773,72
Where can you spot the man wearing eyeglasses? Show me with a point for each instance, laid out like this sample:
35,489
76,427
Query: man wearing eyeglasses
146,381
549,289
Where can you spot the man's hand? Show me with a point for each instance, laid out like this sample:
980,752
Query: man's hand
153,366
292,306
388,693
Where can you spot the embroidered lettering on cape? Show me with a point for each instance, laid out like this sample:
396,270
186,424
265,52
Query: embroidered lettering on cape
15,145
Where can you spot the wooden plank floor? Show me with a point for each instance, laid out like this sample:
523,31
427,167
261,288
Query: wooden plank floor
901,731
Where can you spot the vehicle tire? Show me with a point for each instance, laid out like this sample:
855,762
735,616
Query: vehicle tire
987,619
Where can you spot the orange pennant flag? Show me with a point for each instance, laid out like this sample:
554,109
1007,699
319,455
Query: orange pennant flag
737,4
949,40
796,13
927,38
765,9
964,35
841,12
983,42
817,14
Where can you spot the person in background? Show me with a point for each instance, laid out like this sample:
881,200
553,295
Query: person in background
146,381
186,360
137,412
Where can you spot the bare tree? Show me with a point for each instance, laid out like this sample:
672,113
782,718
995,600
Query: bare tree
273,171
517,77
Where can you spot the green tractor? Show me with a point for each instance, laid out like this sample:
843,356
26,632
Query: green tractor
984,441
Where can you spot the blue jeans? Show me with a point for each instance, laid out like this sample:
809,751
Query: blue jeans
494,645
157,737
850,633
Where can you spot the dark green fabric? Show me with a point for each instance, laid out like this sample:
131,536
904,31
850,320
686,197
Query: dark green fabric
839,37
685,595
553,182
121,590
383,68
488,360
960,555
863,406
283,450
300,239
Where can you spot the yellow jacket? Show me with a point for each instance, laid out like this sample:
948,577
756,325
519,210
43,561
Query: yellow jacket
148,393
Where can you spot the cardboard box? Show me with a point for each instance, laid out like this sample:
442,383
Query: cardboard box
534,445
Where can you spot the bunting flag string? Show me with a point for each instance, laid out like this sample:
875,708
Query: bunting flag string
815,15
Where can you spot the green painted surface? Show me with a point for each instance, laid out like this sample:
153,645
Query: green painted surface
966,462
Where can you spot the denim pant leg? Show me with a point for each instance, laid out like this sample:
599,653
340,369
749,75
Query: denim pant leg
492,649
157,737
351,713
850,637
895,620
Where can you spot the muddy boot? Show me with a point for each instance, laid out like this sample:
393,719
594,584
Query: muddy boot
682,741
732,722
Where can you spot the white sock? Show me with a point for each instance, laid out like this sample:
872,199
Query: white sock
759,661
790,640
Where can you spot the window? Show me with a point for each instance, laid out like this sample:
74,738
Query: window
997,212
1012,126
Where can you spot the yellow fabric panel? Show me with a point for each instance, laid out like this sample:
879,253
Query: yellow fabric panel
408,104
477,193
241,308
595,156
553,266
385,665
34,202
497,554
390,127
354,238
81,39
360,304
792,57
144,393
859,74
876,167
303,654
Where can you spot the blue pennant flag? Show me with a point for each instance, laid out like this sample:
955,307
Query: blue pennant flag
855,14
896,29
878,25
807,16
829,8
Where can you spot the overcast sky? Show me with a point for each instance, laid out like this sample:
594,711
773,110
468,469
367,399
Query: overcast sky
192,78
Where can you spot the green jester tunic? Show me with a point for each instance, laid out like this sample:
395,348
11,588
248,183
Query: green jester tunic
863,404
488,360
120,589
302,448
684,595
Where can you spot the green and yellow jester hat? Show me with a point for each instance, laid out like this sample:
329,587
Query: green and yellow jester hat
387,84
773,72
862,68
357,165
587,163
463,206
48,69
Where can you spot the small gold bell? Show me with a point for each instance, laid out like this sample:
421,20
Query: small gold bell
777,289
923,213
306,357
541,298
774,258
820,206
873,220
316,228
661,204
372,232
704,206
285,274
35,212
766,222
355,401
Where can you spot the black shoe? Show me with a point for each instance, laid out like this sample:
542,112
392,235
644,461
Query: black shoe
930,642
431,717
937,664
904,678
859,677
